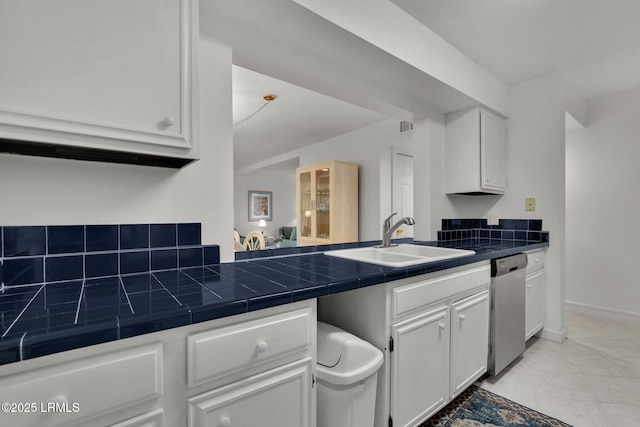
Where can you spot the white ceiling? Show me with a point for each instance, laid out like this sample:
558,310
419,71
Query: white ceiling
594,44
296,118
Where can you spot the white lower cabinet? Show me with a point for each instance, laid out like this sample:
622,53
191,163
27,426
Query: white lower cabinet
252,369
433,330
152,419
256,372
535,293
279,397
84,388
534,303
469,341
420,356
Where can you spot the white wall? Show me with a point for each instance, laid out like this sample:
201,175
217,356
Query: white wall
47,191
366,147
535,168
603,208
283,198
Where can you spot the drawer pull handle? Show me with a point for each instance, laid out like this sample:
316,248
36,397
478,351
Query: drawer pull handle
262,347
168,121
441,325
224,422
60,399
462,317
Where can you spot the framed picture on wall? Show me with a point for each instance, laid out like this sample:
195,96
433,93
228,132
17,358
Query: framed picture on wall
260,205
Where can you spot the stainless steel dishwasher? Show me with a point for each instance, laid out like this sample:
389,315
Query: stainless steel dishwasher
506,327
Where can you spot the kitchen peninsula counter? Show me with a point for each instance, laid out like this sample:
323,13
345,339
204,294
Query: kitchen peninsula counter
43,319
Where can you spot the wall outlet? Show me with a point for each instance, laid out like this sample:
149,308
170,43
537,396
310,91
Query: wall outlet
493,220
530,204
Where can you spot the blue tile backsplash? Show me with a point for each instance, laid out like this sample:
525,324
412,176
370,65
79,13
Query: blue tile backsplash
64,268
65,239
134,236
24,241
189,234
22,271
102,238
49,254
163,235
529,230
101,264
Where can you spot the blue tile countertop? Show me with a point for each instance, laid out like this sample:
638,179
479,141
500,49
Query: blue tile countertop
41,319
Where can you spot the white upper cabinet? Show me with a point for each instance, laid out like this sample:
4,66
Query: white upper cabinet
475,152
115,75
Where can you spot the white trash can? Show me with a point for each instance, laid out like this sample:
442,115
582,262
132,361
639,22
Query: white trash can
347,378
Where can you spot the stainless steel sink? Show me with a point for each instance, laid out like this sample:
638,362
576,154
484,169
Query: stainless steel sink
403,255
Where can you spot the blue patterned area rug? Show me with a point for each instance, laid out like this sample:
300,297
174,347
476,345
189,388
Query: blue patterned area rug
476,407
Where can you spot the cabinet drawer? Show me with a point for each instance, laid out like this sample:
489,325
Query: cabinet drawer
223,351
61,394
154,418
280,397
535,261
406,299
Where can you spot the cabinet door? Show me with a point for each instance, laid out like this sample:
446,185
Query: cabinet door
70,387
154,418
113,75
534,305
469,341
420,366
322,203
492,151
305,203
281,397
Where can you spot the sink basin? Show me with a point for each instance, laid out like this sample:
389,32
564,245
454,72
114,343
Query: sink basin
403,255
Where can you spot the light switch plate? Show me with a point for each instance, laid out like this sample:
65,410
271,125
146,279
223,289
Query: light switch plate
530,204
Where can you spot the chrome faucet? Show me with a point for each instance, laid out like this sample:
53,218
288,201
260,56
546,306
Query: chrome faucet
388,229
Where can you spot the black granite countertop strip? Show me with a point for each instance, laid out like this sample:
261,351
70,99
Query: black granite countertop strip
37,320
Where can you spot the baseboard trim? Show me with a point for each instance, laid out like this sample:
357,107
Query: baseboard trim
604,313
555,336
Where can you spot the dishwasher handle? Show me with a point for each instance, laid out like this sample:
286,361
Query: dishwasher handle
506,265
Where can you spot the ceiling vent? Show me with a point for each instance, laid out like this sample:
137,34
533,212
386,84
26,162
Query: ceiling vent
405,126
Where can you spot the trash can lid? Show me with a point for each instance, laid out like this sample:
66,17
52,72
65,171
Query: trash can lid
344,358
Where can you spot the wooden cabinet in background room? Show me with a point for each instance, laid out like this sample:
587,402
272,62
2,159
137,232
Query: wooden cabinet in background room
114,76
475,152
327,203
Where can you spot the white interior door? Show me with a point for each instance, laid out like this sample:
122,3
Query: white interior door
402,189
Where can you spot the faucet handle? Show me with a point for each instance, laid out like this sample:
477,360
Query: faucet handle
387,222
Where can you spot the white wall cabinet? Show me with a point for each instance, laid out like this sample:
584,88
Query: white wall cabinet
475,152
535,293
116,75
433,330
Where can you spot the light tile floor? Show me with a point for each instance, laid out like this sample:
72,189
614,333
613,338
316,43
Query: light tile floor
591,380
